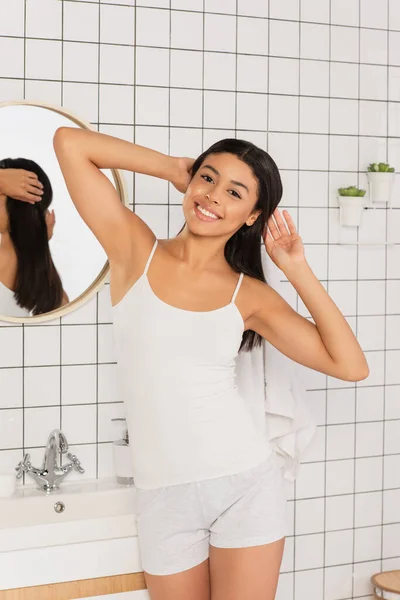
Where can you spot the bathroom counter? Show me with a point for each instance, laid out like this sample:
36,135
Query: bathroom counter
93,535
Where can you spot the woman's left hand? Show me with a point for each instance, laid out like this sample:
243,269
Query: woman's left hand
282,242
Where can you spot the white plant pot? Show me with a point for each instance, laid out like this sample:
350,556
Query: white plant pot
351,210
380,186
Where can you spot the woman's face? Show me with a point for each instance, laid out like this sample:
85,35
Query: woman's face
221,196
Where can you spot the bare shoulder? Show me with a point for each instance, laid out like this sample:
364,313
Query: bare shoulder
254,294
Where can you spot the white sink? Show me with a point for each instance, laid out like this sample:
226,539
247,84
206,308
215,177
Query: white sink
96,509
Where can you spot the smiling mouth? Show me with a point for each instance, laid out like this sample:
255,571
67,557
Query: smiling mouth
204,214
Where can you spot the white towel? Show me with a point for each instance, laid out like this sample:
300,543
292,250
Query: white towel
274,387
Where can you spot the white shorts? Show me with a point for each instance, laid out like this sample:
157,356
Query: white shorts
177,523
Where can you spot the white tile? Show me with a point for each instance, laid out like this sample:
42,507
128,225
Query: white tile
377,371
370,403
11,346
313,225
107,430
187,4
338,582
287,559
394,48
283,75
315,11
116,95
340,406
8,461
220,33
371,297
391,471
370,17
36,25
42,346
312,188
185,142
285,586
314,115
252,111
222,6
368,474
394,125
284,38
309,516
339,512
393,332
13,48
43,59
104,305
309,551
155,217
362,577
81,22
310,480
11,89
80,62
314,78
344,116
152,27
391,506
373,82
78,344
108,384
313,152
117,24
393,262
344,44
106,462
317,258
316,450
152,106
344,79
252,36
219,71
392,402
152,66
391,536
314,41
373,46
284,10
117,64
369,439
394,82
78,384
371,262
339,477
186,69
186,30
345,12
309,584
338,233
338,547
283,148
254,8
371,333
11,382
392,437
79,423
252,73
12,19
343,153
290,186
344,293
11,428
42,386
219,109
82,98
176,220
106,348
38,423
371,149
340,442
367,544
394,14
186,108
368,509
283,113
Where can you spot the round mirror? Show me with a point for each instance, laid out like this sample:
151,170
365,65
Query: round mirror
50,261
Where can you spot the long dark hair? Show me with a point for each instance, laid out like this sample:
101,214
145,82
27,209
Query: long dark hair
38,286
243,249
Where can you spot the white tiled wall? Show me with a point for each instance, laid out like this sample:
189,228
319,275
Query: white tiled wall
317,84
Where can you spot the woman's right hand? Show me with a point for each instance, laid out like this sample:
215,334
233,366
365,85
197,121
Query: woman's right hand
183,175
20,184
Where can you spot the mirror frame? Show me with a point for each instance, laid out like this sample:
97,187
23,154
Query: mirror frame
122,192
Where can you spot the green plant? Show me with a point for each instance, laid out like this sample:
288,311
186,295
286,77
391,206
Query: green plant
380,168
352,190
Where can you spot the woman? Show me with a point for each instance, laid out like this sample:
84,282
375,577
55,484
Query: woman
29,281
210,497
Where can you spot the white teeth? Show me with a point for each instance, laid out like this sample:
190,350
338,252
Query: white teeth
206,212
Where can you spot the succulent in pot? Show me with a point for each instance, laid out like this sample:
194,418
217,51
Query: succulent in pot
351,202
380,180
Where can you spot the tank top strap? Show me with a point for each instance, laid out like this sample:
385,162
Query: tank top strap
239,283
150,257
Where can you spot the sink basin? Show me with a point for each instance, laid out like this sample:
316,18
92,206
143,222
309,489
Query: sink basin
90,510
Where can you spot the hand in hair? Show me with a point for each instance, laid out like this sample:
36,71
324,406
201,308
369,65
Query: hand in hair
20,185
183,174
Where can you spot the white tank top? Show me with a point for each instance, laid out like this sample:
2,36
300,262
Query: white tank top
186,419
8,304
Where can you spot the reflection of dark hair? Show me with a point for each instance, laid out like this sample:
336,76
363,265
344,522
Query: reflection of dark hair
38,286
243,249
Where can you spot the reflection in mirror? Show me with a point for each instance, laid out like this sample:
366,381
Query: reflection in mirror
49,258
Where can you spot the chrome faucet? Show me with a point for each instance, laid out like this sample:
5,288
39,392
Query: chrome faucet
51,473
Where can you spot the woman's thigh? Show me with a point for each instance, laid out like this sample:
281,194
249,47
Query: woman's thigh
192,584
245,573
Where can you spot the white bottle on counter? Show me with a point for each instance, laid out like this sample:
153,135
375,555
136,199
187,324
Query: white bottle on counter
122,455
